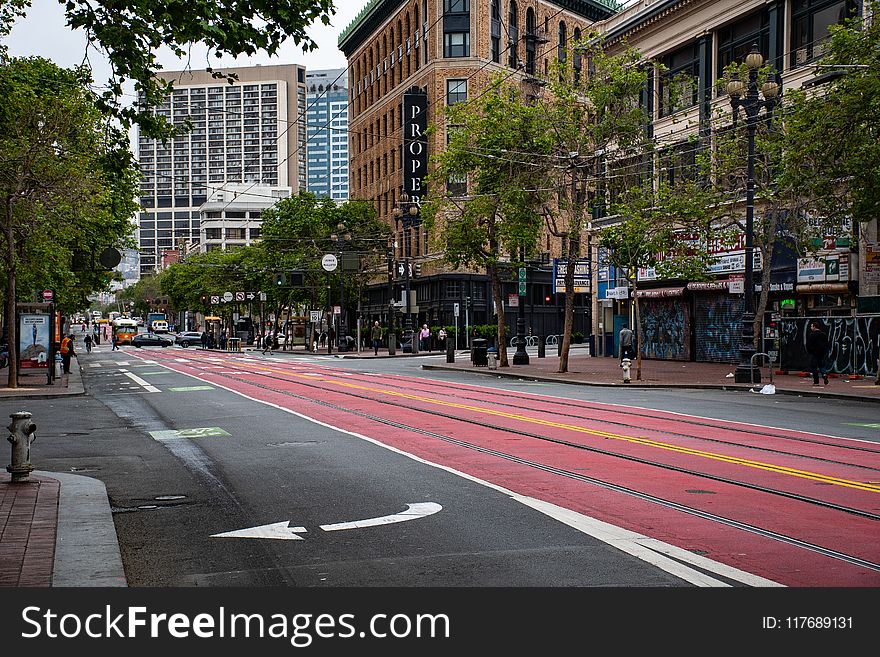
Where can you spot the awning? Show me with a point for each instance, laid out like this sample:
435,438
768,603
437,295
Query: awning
823,288
213,319
708,286
661,292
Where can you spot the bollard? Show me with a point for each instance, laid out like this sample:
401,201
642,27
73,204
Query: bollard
559,346
392,343
542,347
450,351
626,363
21,436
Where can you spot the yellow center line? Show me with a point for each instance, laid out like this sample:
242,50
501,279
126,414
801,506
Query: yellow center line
770,467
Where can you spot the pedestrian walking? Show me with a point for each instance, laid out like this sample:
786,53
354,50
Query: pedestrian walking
817,348
441,339
322,339
425,338
204,340
627,344
376,336
88,341
66,351
115,343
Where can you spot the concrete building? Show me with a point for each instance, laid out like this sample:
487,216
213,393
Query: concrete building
231,217
327,145
251,132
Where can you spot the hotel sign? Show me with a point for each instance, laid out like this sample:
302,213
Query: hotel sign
415,144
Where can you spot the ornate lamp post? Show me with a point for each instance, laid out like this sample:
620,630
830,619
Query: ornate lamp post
752,104
407,212
341,237
521,357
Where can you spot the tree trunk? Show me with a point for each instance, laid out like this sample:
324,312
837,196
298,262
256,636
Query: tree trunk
499,308
11,328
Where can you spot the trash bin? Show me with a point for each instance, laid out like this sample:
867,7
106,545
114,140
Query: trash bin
479,352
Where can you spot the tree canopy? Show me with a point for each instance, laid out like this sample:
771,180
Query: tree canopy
130,34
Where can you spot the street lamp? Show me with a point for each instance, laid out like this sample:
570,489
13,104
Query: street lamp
407,212
752,104
521,357
341,237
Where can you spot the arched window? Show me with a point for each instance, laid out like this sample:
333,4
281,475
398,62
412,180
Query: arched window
531,41
561,54
495,31
417,36
576,58
513,35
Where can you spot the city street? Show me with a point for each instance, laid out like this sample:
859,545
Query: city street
242,469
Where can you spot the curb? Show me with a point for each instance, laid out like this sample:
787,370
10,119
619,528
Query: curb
645,386
86,546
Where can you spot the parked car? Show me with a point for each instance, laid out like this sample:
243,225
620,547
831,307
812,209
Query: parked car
189,338
152,340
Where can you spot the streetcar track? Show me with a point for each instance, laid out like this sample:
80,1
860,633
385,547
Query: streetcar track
673,432
699,513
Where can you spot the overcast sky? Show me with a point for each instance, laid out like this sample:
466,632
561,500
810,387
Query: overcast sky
44,32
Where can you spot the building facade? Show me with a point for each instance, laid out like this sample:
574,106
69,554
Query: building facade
447,50
251,132
327,144
701,321
232,215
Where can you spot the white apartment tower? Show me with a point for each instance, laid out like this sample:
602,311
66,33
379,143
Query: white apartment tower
251,132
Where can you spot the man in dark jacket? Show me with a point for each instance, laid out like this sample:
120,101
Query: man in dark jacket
817,348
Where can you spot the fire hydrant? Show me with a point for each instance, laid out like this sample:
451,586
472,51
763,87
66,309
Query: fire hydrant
626,363
22,432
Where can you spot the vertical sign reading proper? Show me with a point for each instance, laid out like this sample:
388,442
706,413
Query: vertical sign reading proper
415,144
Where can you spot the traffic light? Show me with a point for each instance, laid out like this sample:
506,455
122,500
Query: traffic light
280,280
547,299
470,303
417,270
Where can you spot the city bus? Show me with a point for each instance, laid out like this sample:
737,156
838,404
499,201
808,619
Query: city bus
124,329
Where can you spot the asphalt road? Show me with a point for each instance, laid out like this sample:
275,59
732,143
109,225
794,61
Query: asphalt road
316,506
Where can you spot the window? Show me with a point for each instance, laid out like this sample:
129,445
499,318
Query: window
810,20
456,6
561,53
531,41
456,91
495,31
678,86
457,44
735,41
513,35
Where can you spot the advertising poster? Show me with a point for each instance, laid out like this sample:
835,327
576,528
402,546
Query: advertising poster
33,341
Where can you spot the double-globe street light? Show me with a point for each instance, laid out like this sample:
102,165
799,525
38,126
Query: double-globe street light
341,237
746,97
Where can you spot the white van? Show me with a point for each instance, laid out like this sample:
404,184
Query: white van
160,326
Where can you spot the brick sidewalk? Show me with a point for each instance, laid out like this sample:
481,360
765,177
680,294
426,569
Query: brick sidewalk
28,522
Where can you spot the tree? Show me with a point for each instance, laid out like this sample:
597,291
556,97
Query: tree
831,151
651,220
66,180
130,34
593,114
493,143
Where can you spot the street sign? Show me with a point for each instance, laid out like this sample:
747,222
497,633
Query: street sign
455,309
337,310
513,300
48,295
215,299
522,274
262,296
522,288
239,296
315,316
329,262
227,296
250,296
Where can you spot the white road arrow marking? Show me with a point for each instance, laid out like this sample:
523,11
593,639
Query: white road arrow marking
278,530
413,512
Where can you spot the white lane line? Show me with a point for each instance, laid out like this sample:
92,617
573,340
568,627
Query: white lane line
146,386
414,511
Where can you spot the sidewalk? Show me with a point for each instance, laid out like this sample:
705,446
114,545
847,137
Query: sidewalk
56,529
